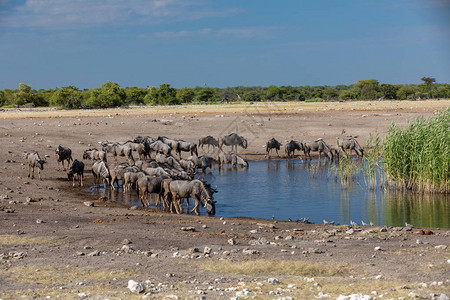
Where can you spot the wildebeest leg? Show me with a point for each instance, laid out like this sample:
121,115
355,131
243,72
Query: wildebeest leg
277,152
73,180
196,206
81,178
39,173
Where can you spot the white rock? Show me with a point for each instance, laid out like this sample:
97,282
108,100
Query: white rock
354,297
207,250
136,287
273,280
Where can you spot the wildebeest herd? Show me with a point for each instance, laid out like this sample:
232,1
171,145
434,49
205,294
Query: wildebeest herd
161,170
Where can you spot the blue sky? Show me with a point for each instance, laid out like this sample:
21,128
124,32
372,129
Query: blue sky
56,43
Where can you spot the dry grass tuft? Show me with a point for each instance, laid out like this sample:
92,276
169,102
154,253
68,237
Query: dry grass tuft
24,240
276,267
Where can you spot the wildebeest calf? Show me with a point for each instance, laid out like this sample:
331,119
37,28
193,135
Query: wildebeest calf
76,170
63,154
34,161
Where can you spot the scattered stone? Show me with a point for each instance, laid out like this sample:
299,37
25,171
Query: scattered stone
250,251
232,241
94,253
413,295
354,297
136,287
80,253
126,242
39,221
254,231
207,250
350,231
88,203
441,247
383,229
190,228
378,248
273,280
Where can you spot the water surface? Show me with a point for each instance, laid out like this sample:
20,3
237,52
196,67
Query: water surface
284,190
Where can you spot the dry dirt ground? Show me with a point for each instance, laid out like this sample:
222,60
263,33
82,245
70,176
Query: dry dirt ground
53,245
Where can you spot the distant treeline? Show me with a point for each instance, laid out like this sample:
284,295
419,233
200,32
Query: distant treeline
111,94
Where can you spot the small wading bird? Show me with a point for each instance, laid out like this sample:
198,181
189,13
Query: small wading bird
353,223
364,223
328,222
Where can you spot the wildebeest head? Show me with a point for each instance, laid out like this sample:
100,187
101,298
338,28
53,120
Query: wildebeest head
85,155
210,204
40,163
244,143
70,175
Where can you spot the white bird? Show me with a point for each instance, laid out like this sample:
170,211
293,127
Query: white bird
371,224
408,225
328,223
353,223
364,223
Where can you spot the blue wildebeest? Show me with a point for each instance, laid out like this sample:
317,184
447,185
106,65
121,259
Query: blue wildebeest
233,140
233,159
100,170
117,149
76,171
94,154
34,161
291,147
272,144
349,144
318,145
208,140
63,154
196,189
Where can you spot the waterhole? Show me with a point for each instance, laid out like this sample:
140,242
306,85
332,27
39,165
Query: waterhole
293,190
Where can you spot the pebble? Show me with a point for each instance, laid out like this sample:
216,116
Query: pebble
232,241
273,280
136,287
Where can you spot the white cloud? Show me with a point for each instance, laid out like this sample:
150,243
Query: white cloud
244,32
73,14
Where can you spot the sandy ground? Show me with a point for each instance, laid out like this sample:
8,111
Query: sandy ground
52,244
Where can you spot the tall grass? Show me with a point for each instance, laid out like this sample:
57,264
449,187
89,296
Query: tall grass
372,167
418,157
346,170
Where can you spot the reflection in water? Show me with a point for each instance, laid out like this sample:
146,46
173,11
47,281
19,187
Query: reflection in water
297,188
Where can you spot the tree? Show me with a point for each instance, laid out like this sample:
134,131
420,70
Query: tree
206,94
388,91
109,95
427,85
273,93
185,95
348,95
405,92
367,89
24,95
164,95
135,95
251,96
67,97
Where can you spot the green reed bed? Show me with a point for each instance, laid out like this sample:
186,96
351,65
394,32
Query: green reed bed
372,167
418,157
346,170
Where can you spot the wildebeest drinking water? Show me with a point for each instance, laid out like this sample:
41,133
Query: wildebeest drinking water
272,144
349,144
76,172
291,147
318,145
100,170
34,161
63,154
233,159
196,189
233,140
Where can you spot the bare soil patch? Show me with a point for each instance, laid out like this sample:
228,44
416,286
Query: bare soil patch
48,247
